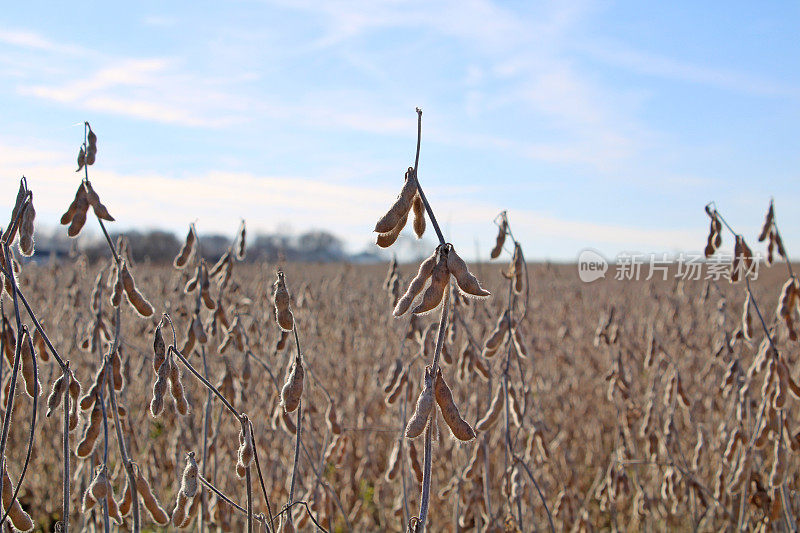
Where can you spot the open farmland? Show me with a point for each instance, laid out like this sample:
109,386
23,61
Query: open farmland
598,424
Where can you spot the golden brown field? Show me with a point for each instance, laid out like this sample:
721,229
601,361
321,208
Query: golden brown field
579,436
215,394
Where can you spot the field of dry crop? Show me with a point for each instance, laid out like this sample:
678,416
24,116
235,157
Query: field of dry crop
235,396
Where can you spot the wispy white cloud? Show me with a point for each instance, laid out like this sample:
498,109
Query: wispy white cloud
651,64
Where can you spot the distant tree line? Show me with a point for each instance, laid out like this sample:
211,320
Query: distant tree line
160,246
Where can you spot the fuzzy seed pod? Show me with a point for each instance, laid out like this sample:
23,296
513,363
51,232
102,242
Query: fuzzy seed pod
99,485
240,243
444,397
189,478
97,206
394,394
394,463
394,375
518,269
92,431
81,160
186,250
468,284
198,330
157,513
116,293
493,414
26,230
501,239
401,206
179,512
56,395
385,240
434,294
75,206
116,370
19,518
414,459
79,218
475,463
422,410
418,207
159,349
142,306
293,388
32,386
245,454
416,285
176,389
283,313
125,504
497,335
41,346
765,229
160,388
332,420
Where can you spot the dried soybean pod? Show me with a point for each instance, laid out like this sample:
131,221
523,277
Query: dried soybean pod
394,463
292,390
116,293
26,229
86,445
66,218
394,375
186,250
56,395
32,386
124,505
416,285
419,215
159,349
765,229
444,397
179,512
41,346
245,454
385,240
414,458
111,504
14,223
157,513
99,485
81,159
493,414
142,306
240,242
422,410
192,283
79,217
501,239
189,478
440,277
398,388
116,370
467,283
519,269
181,405
160,388
401,206
99,209
333,420
283,314
19,518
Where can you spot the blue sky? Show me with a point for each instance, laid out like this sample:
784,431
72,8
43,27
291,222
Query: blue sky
595,124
